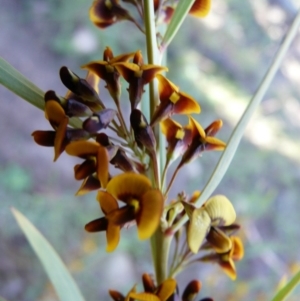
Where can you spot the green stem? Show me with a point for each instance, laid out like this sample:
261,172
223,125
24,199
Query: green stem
160,247
160,244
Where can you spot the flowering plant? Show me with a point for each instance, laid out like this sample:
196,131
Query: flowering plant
127,154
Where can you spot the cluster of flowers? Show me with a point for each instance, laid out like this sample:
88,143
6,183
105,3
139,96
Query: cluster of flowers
104,138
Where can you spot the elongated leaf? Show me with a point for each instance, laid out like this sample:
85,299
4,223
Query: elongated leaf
61,279
288,288
180,13
13,80
16,82
239,130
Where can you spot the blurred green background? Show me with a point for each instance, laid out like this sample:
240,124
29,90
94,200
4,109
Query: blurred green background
219,60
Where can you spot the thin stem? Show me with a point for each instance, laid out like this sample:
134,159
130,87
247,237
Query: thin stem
172,180
155,169
238,132
160,244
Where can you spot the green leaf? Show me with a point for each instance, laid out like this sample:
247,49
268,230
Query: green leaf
239,130
13,80
288,288
2,299
61,279
16,82
178,17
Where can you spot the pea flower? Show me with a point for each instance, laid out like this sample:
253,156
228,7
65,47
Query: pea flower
205,222
137,74
143,204
202,140
104,13
105,70
96,160
172,101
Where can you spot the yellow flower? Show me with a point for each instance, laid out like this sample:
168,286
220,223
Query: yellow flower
172,101
143,204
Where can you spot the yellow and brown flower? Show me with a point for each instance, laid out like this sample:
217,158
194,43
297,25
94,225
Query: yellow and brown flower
104,13
202,140
137,74
208,222
105,70
143,204
172,101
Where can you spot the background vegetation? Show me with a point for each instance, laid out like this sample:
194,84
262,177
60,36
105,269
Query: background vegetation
219,60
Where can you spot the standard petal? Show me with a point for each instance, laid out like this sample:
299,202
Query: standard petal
82,149
165,87
149,214
220,210
128,185
169,128
186,105
150,71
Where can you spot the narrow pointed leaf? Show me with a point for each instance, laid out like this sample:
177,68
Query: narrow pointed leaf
239,130
284,292
13,80
61,279
180,13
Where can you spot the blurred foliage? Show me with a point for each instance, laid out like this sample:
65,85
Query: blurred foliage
220,61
